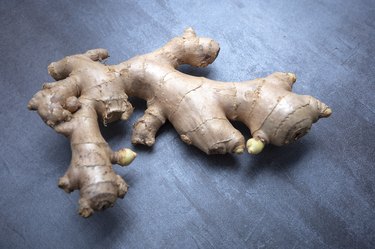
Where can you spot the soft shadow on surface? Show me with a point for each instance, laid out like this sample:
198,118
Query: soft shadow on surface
278,159
139,105
58,154
120,131
195,71
120,128
242,128
272,158
222,162
113,131
105,225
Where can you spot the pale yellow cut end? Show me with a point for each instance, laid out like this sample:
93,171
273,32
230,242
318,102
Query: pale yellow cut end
292,77
125,156
254,146
239,150
327,112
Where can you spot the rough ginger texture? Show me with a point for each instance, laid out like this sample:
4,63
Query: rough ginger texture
198,108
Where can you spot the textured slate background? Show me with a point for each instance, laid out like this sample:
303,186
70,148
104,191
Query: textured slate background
316,193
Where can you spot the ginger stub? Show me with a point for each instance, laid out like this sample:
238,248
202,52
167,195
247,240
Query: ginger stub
200,110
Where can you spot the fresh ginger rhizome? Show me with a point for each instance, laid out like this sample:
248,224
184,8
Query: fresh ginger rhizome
87,90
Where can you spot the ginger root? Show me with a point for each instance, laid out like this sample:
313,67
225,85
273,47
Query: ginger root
198,108
83,92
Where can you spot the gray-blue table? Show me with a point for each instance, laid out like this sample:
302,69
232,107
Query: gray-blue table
316,193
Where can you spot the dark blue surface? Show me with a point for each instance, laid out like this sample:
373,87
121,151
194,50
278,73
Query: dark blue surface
316,193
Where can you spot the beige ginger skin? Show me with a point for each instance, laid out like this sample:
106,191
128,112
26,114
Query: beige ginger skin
200,110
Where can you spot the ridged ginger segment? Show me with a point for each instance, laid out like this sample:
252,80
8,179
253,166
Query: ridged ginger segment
200,110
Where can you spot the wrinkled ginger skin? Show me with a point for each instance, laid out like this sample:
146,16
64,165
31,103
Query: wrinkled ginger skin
85,91
200,110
